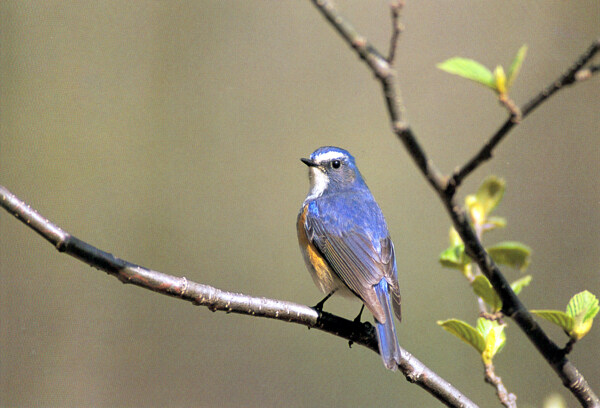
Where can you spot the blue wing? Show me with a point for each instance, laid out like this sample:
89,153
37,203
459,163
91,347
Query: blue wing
352,235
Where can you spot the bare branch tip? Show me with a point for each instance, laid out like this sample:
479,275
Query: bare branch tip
400,127
396,6
583,74
397,28
359,42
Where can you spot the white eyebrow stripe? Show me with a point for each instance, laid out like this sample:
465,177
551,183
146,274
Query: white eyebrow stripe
327,156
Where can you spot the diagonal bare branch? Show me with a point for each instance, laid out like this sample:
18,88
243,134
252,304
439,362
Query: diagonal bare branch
512,306
216,299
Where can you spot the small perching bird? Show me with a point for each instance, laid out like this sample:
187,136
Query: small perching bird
346,244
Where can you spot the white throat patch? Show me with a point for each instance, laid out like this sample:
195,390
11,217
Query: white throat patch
318,183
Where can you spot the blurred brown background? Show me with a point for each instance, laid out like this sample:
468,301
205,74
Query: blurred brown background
169,133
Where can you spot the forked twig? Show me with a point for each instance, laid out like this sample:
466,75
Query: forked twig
576,73
446,187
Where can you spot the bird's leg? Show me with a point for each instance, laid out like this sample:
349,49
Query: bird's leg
357,318
357,321
319,306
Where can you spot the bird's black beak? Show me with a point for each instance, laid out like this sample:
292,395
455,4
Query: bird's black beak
308,162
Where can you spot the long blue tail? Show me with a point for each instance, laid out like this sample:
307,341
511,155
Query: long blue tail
386,332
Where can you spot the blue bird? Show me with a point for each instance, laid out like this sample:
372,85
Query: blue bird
346,244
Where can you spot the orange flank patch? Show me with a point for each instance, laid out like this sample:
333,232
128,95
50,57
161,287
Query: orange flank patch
321,267
322,274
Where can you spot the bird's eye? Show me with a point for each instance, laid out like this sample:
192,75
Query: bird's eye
336,164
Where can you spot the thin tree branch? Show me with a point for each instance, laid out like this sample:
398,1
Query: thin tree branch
509,400
397,28
512,306
588,72
387,76
215,299
575,74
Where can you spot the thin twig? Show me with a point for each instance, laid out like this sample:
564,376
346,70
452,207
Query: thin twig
569,346
592,69
509,400
397,28
386,75
512,306
512,108
576,73
216,299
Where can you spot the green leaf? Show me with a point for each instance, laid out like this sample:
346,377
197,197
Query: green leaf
494,337
582,308
511,253
584,303
469,69
577,321
518,285
483,288
465,332
490,193
454,257
557,317
515,66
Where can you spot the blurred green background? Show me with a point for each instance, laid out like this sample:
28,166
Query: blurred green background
169,133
